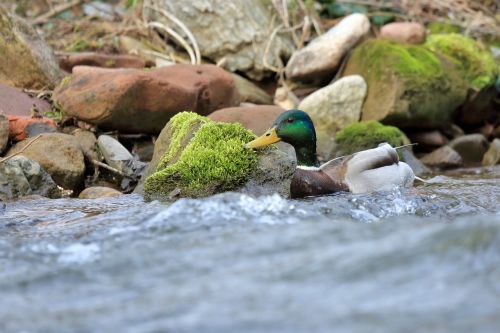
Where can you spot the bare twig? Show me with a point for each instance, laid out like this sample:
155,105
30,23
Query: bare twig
107,167
184,28
23,149
178,38
57,10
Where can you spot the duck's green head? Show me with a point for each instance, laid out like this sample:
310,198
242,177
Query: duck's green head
296,128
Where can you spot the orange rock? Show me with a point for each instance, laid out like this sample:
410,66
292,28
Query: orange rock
21,127
256,118
70,60
404,32
143,101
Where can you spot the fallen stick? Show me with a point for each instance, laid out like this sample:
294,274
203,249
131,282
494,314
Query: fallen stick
105,166
184,28
57,10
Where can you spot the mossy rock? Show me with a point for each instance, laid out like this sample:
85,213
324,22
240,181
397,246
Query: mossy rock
367,135
203,158
409,86
442,28
26,60
474,59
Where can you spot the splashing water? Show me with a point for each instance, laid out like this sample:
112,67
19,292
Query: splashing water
426,259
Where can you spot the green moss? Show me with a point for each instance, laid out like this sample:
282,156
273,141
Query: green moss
214,160
404,59
475,60
367,135
442,28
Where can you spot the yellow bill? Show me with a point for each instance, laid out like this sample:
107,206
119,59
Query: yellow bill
264,140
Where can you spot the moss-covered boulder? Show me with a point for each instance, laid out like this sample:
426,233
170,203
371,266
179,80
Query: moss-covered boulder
474,59
26,61
442,28
203,157
367,135
408,85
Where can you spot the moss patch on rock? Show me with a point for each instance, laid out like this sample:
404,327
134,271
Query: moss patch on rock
442,28
367,135
213,160
473,58
408,85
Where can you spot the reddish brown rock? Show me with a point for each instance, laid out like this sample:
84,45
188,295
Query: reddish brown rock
4,132
404,32
22,127
142,101
256,118
14,101
69,60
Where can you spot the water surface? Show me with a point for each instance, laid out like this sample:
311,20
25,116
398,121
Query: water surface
421,260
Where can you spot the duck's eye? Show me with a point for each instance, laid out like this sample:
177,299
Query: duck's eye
291,120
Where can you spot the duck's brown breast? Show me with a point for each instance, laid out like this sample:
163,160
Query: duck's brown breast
314,182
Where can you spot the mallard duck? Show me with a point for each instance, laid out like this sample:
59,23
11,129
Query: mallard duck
363,172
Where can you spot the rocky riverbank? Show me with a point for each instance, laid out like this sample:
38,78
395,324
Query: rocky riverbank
100,124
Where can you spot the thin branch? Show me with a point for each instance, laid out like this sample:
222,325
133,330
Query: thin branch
57,10
184,28
23,149
107,167
177,37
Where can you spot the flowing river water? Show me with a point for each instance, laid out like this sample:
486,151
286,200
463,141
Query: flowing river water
421,260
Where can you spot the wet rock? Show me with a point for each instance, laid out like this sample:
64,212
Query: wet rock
334,107
26,61
443,158
140,101
69,60
404,32
20,176
88,144
15,102
144,150
321,57
235,34
99,192
470,147
59,154
4,133
257,118
23,127
249,92
409,86
492,155
428,140
274,172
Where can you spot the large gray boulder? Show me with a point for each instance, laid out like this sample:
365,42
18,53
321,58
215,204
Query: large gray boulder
26,61
20,176
236,32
